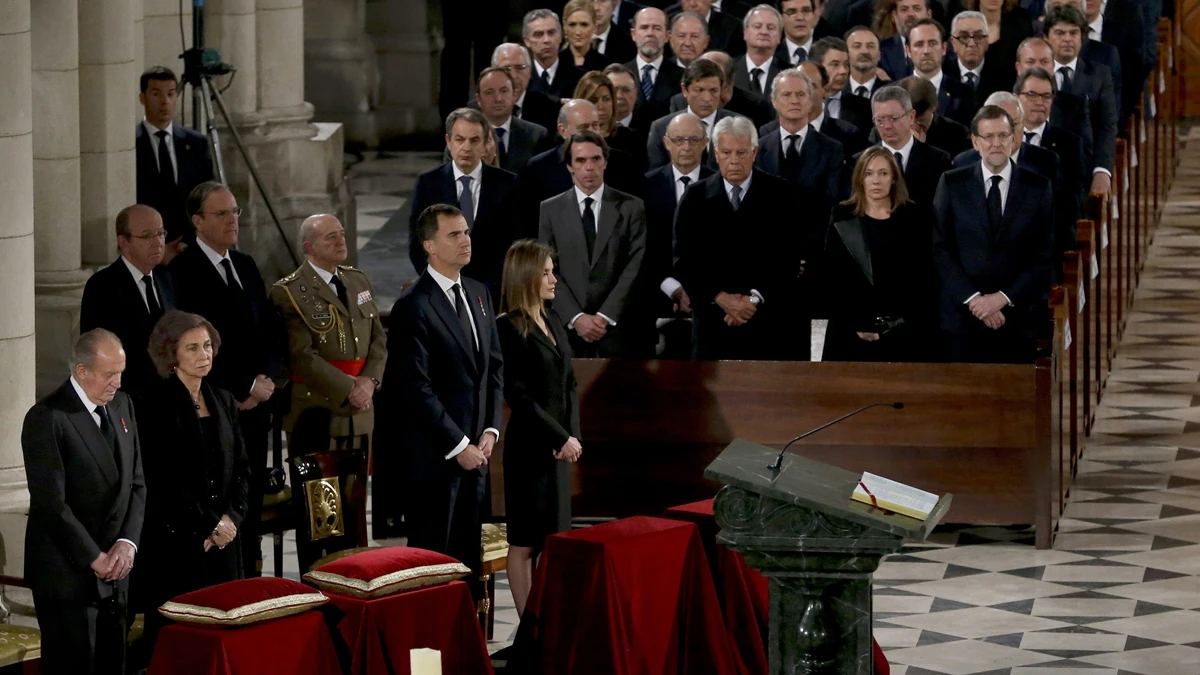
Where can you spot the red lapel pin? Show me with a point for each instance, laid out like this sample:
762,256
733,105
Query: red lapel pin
123,425
479,299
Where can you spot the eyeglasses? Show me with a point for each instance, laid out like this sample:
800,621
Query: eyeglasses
1034,96
688,140
992,138
977,38
160,235
889,119
520,68
223,214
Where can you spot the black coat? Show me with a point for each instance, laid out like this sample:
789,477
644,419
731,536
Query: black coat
540,109
741,75
956,100
1071,112
111,300
856,110
191,489
525,139
252,337
492,232
948,136
852,139
1094,83
816,177
705,227
1123,30
969,260
565,79
666,85
81,501
194,167
893,59
620,47
540,389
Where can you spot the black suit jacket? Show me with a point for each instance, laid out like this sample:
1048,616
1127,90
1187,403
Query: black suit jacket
1068,146
658,193
252,338
1071,112
956,100
741,74
744,103
111,300
816,177
1094,83
620,47
81,499
525,139
439,388
1124,29
623,17
969,260
539,109
493,230
856,110
853,141
194,167
546,175
893,59
565,79
666,85
948,136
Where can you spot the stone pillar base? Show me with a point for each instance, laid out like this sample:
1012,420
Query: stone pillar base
56,316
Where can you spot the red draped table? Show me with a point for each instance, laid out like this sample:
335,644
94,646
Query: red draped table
743,594
630,597
380,632
297,645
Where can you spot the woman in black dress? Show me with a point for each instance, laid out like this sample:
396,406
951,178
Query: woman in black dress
878,268
197,472
543,427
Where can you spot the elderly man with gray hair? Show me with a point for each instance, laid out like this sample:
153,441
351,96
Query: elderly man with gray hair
739,255
335,337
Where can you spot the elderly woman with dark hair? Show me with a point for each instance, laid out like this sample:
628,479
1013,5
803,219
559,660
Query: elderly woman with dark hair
197,472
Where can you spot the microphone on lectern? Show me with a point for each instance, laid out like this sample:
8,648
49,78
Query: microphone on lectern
779,460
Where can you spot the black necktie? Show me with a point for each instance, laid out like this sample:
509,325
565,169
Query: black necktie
589,225
755,85
464,314
1065,71
995,211
685,180
165,170
151,298
735,197
501,151
899,161
545,78
517,111
466,202
1029,136
230,280
970,78
107,431
341,291
861,91
800,55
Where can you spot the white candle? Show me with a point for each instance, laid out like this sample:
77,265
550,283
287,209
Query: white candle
425,661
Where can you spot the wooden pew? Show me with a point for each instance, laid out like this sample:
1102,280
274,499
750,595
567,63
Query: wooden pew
1087,302
983,432
1074,417
1061,417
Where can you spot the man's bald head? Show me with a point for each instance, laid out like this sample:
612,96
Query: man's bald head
324,241
577,115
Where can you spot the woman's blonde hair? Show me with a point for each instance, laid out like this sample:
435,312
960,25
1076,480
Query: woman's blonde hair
858,196
589,88
585,6
521,285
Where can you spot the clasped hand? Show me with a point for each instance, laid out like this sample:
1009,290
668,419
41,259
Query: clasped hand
570,451
116,563
222,535
987,308
591,327
475,456
738,308
362,393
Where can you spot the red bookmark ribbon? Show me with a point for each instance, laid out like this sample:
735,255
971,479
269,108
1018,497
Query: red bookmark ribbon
874,501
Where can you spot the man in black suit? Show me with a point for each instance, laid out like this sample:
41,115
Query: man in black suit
734,99
167,172
702,84
863,46
481,191
929,125
445,394
530,106
809,160
745,305
724,29
1069,110
614,19
968,63
921,163
87,500
1036,90
1121,27
992,249
542,34
1104,53
927,50
893,52
129,296
600,236
851,139
224,286
756,70
800,18
657,77
518,141
688,37
663,189
834,56
1076,75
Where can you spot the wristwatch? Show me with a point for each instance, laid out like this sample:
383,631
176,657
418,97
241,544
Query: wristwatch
377,385
755,300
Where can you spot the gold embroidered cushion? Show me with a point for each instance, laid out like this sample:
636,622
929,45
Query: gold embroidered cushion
243,602
384,571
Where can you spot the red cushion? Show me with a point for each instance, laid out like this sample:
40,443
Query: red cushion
243,602
383,571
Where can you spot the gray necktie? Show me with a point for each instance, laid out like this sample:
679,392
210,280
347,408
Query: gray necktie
466,202
735,197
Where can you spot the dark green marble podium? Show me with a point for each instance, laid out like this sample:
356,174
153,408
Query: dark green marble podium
818,548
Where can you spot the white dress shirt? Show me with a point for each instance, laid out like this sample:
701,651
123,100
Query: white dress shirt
671,284
833,105
936,80
963,70
1096,28
596,198
137,280
817,121
904,151
642,63
869,84
91,408
216,258
1039,134
603,37
327,277
626,120
152,130
792,47
475,175
765,67
742,197
1073,64
783,138
445,283
553,69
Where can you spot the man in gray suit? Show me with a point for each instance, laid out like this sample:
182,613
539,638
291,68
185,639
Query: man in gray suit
600,236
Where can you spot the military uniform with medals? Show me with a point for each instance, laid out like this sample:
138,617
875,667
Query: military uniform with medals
330,344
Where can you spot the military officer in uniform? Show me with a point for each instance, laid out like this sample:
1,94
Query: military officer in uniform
335,336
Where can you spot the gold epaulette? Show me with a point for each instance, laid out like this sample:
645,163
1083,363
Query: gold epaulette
347,267
288,279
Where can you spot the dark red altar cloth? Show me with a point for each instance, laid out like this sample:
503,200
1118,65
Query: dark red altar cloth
630,597
297,645
380,632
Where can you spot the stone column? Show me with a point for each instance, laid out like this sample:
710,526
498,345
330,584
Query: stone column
107,115
230,28
137,9
160,35
280,29
58,278
16,233
407,100
341,75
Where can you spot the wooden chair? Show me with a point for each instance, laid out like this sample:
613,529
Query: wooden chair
494,543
